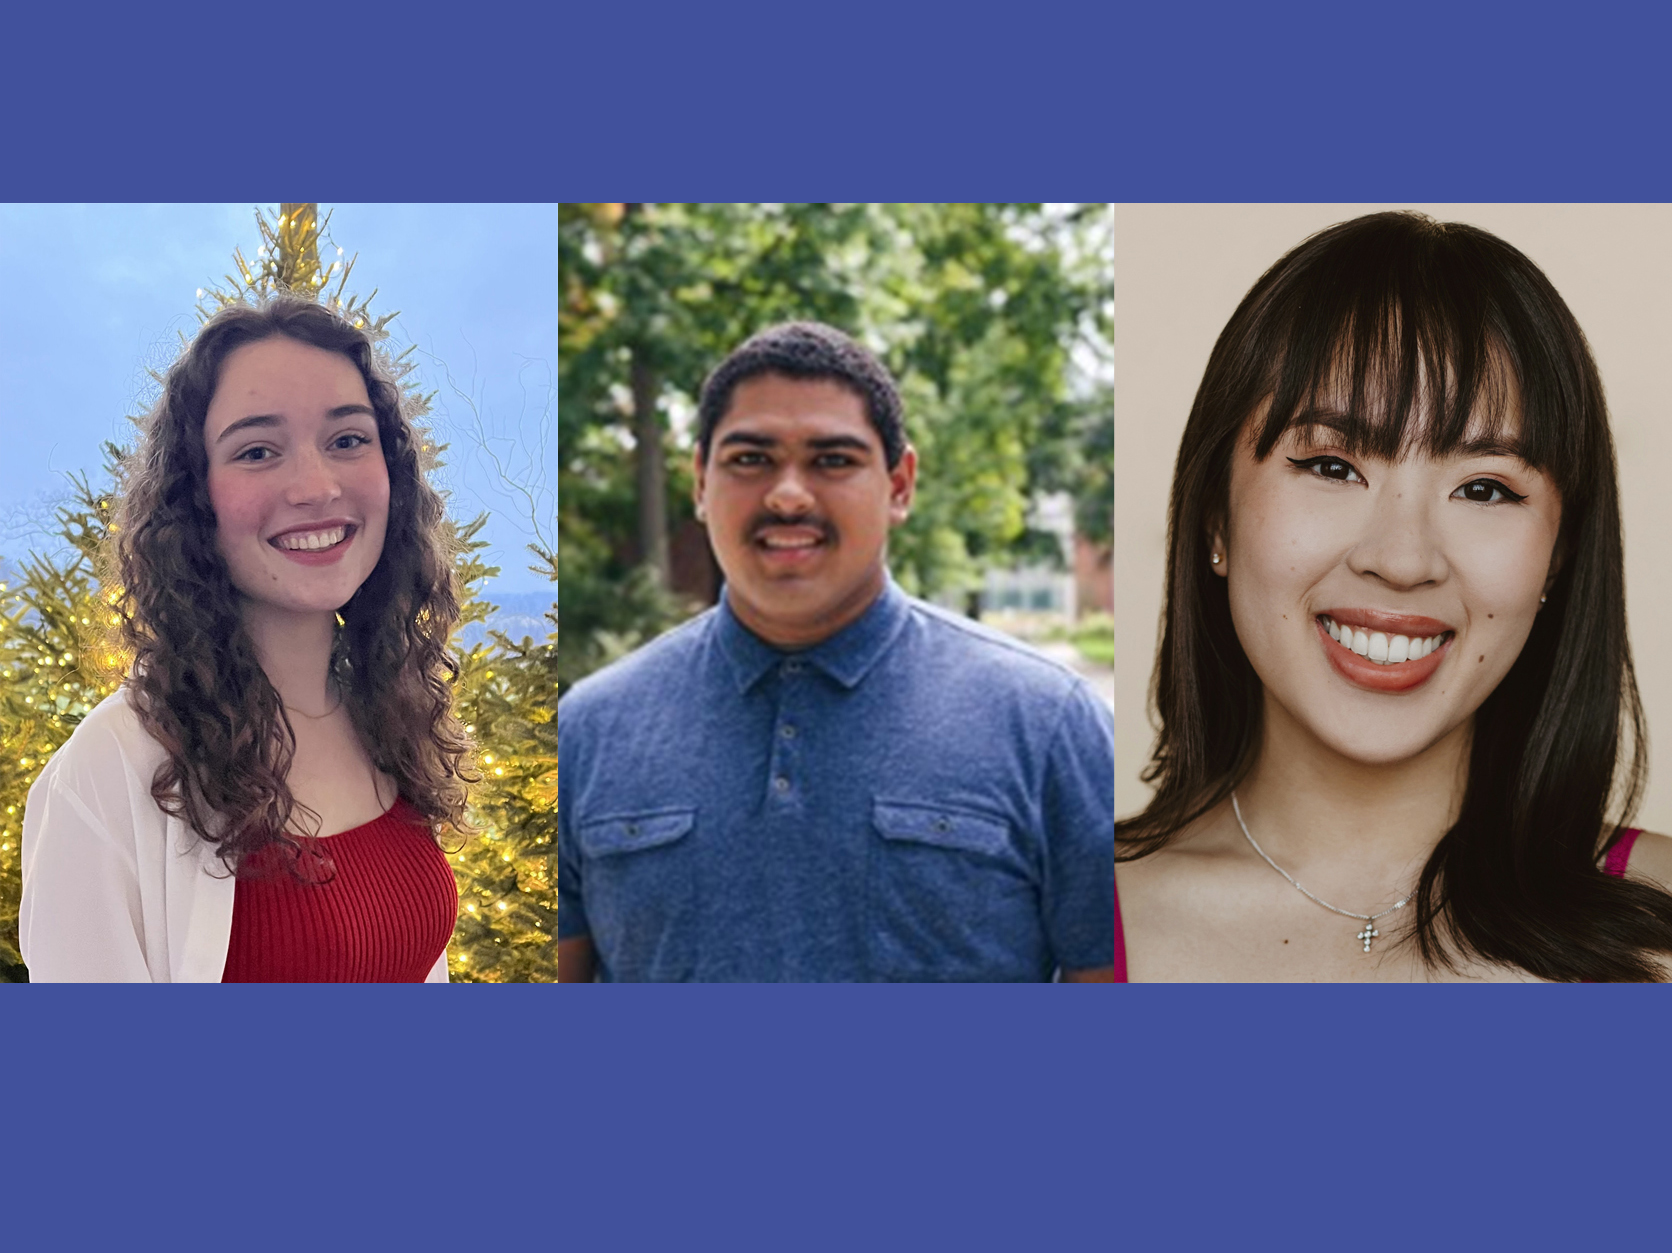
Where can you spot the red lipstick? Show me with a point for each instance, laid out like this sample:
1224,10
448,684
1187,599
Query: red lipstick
1399,677
1409,624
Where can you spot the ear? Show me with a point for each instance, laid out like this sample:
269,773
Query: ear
1216,547
902,487
699,482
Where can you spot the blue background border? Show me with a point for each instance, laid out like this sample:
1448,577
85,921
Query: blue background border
806,1118
1427,100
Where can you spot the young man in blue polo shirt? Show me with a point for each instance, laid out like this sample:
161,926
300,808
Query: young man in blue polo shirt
823,778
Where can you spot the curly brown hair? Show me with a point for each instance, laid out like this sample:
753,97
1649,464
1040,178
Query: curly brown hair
196,683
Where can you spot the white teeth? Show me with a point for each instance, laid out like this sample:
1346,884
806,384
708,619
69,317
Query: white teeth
1387,650
311,540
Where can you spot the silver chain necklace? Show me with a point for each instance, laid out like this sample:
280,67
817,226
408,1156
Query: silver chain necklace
1368,934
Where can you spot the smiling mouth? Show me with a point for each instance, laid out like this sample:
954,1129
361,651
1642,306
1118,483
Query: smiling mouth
1380,647
1385,662
790,543
323,540
779,544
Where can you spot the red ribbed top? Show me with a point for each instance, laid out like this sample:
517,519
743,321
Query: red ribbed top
375,904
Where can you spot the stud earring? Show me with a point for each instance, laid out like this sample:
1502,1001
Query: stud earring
1541,600
1216,559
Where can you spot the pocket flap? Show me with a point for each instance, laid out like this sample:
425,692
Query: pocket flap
628,833
941,826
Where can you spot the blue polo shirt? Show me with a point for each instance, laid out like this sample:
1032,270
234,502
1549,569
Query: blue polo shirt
915,798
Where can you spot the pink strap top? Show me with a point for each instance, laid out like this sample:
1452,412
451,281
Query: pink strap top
1614,864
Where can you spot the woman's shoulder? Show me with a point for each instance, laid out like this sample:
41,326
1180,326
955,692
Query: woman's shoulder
1651,860
108,743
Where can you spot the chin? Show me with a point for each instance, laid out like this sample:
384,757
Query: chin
315,600
1384,741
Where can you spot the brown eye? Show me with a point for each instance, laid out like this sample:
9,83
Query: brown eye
1327,468
1487,492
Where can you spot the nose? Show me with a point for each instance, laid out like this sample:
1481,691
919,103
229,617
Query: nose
313,480
1399,543
789,496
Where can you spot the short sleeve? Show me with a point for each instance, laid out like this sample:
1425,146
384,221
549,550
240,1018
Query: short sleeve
1079,819
81,919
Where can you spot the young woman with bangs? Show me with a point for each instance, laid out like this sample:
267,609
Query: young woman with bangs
259,801
1400,737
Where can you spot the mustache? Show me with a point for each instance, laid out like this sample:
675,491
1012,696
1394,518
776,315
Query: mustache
808,521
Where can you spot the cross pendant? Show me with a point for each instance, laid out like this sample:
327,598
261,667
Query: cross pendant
1368,934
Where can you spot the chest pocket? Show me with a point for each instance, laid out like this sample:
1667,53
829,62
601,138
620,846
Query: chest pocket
641,892
950,896
633,833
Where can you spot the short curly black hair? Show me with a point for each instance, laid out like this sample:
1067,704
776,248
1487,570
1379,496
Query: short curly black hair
806,350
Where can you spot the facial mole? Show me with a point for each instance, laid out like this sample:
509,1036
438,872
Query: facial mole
1482,657
1488,615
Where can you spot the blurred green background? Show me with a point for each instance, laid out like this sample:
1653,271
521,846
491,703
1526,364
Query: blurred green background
994,318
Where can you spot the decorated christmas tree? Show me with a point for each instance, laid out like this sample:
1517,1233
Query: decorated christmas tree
59,657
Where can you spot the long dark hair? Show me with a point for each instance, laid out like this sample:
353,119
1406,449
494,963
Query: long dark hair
196,683
1378,307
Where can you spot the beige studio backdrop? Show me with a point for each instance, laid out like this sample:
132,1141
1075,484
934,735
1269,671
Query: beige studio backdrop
1180,271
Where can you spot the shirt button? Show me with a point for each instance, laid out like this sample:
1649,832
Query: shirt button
792,667
781,783
787,731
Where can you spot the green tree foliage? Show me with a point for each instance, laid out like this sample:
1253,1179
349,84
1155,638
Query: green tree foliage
59,658
994,317
507,876
57,661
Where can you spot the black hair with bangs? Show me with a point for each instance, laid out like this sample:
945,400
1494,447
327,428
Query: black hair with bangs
1405,334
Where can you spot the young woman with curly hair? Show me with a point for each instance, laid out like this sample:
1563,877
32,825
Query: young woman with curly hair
1400,737
259,800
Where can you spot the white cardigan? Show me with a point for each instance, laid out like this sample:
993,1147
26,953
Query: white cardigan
115,890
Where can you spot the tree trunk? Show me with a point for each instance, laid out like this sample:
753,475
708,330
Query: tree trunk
650,470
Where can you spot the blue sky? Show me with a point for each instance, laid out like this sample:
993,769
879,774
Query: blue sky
91,296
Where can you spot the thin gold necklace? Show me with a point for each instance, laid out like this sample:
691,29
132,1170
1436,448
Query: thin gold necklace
317,717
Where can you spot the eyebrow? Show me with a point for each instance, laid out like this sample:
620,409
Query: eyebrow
824,443
273,419
1343,425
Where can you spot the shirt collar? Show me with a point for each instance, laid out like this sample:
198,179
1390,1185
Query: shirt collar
847,657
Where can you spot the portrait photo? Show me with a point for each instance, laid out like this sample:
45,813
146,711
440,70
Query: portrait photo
835,520
278,593
1387,530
